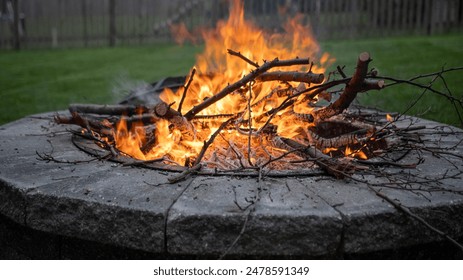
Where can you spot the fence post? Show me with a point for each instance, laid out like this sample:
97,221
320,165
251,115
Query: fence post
16,35
84,22
112,23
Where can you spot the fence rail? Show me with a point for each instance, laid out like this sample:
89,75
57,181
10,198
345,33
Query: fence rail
88,23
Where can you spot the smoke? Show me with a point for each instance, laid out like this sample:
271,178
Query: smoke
125,90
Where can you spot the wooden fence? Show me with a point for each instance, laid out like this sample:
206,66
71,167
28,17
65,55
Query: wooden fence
87,23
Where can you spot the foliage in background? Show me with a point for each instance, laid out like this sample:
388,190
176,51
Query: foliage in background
36,81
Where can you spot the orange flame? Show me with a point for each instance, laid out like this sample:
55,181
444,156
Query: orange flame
216,69
389,118
181,34
355,153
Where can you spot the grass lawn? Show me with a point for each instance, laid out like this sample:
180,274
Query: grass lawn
405,58
34,81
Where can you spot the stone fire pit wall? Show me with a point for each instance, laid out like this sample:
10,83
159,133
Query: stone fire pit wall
101,209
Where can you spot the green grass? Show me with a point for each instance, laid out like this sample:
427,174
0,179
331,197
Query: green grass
34,81
404,58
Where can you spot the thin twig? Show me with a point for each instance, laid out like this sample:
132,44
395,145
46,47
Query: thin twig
249,125
184,174
453,102
211,139
410,82
185,89
142,162
341,72
213,117
238,54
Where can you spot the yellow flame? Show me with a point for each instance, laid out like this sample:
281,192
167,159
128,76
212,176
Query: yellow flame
243,36
355,153
329,150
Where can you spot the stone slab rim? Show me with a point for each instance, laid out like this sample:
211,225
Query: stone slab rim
182,219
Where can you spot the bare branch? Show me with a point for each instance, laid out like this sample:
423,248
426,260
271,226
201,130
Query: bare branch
242,82
292,77
350,91
185,89
238,54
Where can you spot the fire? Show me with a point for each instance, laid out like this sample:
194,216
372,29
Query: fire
354,153
215,70
129,141
389,118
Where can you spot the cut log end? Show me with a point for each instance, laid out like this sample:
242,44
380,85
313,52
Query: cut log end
319,79
161,109
364,57
371,84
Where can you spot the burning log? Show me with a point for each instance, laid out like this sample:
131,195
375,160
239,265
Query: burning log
149,144
340,133
331,165
302,117
114,110
100,126
145,119
165,111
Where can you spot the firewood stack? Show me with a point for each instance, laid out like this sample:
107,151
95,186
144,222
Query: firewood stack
323,136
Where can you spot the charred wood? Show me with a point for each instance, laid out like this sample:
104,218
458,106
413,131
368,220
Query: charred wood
101,126
113,110
330,165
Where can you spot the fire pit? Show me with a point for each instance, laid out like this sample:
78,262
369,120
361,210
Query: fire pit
247,156
73,198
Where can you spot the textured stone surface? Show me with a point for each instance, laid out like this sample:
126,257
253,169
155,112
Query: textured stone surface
285,221
92,208
21,242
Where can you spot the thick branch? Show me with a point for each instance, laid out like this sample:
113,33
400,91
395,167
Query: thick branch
359,136
146,119
164,111
113,110
370,84
292,77
350,91
332,166
242,82
99,126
